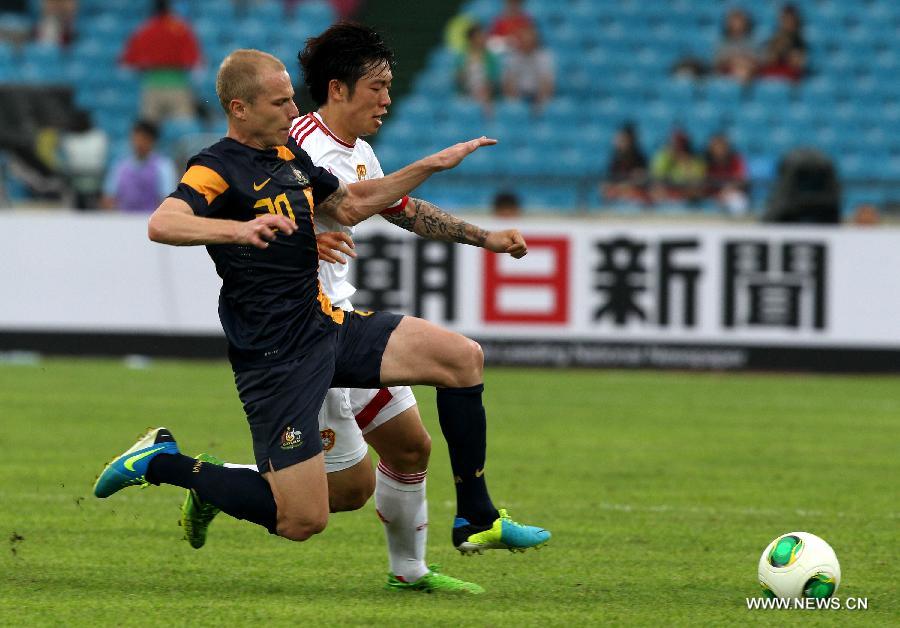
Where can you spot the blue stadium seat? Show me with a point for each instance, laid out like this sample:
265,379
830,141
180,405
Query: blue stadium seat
96,52
437,83
524,160
418,110
481,162
209,32
462,111
174,129
401,133
562,109
271,13
253,33
723,92
513,112
391,156
773,94
561,197
317,11
107,26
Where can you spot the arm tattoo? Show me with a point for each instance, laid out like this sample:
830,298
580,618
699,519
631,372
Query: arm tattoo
429,221
333,201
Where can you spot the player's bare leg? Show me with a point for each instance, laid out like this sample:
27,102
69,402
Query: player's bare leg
403,442
350,489
301,498
419,352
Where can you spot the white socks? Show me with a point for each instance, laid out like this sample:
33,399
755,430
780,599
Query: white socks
401,505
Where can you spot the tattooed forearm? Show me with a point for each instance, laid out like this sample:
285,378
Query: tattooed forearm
333,201
429,221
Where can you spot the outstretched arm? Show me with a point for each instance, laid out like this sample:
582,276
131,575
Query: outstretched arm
351,204
430,221
174,223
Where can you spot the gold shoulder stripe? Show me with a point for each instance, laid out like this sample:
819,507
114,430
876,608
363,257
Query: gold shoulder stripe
205,181
285,153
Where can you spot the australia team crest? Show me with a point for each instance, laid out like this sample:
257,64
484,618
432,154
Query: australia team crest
302,179
291,438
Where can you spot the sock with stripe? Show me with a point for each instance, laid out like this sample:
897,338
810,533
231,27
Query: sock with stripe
401,505
463,423
241,493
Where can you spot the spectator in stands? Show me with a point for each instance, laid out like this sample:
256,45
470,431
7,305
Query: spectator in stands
529,72
678,173
736,55
726,175
56,26
784,55
165,49
478,69
511,21
866,215
456,32
626,172
507,205
140,182
83,151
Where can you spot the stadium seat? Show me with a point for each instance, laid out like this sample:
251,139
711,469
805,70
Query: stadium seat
772,94
462,111
722,92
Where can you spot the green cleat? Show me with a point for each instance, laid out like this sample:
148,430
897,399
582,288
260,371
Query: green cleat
196,515
504,533
434,582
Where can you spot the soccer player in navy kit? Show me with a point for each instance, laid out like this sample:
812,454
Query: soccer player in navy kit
250,198
348,70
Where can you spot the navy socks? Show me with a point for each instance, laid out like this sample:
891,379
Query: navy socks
463,423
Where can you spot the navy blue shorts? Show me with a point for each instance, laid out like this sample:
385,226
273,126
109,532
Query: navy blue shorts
282,402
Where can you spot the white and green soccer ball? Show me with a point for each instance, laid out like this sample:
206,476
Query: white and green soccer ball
799,565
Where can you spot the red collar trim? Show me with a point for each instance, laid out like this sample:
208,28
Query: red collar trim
321,124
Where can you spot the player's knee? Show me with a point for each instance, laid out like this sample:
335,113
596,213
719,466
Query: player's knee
415,456
353,497
469,364
410,457
301,528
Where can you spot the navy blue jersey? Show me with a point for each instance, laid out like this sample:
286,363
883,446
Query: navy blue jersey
271,304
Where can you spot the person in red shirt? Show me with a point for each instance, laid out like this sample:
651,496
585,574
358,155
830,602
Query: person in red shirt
726,175
511,21
784,55
165,49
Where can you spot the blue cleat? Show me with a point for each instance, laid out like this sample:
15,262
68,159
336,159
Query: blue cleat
503,534
129,468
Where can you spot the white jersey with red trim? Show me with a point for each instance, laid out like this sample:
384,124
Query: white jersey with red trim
349,163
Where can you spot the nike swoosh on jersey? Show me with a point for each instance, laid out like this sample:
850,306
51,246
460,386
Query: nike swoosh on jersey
257,188
479,473
129,464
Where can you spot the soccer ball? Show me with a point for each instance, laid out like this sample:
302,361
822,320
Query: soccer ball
799,565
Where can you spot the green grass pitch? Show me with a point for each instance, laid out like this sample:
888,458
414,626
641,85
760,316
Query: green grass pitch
661,490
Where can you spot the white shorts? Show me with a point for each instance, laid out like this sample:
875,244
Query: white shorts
349,413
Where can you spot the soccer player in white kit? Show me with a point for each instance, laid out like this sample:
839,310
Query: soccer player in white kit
388,419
